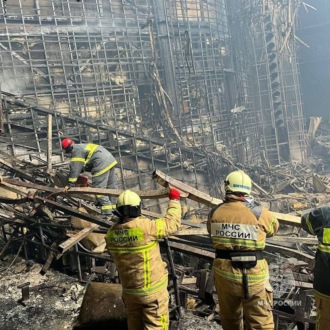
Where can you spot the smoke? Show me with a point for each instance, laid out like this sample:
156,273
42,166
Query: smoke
14,84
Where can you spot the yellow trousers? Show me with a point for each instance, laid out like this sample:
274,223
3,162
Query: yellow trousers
147,312
323,313
257,310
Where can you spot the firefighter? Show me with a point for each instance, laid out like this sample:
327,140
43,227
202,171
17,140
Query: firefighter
238,229
317,222
90,157
133,245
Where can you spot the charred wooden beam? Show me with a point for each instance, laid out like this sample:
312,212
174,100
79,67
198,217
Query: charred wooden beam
194,194
71,211
191,250
188,248
13,201
69,243
288,219
81,191
16,170
190,192
50,258
8,243
274,240
291,253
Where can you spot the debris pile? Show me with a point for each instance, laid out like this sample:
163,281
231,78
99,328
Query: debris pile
29,299
44,224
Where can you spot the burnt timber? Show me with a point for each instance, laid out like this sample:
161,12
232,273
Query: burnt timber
181,90
49,220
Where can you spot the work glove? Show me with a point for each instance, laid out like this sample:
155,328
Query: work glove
66,188
174,194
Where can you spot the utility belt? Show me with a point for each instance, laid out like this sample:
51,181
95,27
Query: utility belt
242,260
227,254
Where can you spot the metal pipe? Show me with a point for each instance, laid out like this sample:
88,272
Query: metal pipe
174,277
49,142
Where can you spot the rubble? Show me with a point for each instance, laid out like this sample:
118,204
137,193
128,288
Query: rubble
182,91
53,228
54,299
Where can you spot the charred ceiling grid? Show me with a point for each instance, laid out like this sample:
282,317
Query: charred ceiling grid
170,84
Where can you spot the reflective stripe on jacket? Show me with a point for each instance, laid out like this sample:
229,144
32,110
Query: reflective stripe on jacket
234,226
134,248
92,158
317,223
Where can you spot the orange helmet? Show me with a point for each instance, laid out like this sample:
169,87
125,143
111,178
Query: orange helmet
67,144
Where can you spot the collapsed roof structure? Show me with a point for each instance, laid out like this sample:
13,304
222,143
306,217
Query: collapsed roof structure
191,88
213,75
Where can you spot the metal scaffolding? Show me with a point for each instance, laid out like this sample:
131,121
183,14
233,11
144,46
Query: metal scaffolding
169,84
278,106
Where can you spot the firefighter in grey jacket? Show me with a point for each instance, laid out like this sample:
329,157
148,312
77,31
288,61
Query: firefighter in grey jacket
317,223
90,157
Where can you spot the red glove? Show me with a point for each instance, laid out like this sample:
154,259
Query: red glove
174,194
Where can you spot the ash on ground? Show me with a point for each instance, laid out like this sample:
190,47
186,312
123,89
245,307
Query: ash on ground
54,300
189,321
53,303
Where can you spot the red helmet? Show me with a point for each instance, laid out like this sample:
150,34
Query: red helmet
67,143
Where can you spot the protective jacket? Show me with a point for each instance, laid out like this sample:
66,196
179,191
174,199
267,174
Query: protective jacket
134,247
238,226
317,222
92,158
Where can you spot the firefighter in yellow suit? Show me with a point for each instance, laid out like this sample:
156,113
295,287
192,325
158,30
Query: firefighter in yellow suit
133,245
317,222
238,229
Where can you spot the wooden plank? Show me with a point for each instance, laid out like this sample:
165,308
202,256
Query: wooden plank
274,240
81,191
191,231
291,253
184,246
293,240
69,243
188,280
49,260
203,198
192,250
192,193
162,179
287,219
19,172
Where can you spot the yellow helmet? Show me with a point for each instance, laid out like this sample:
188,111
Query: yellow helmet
129,204
238,181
